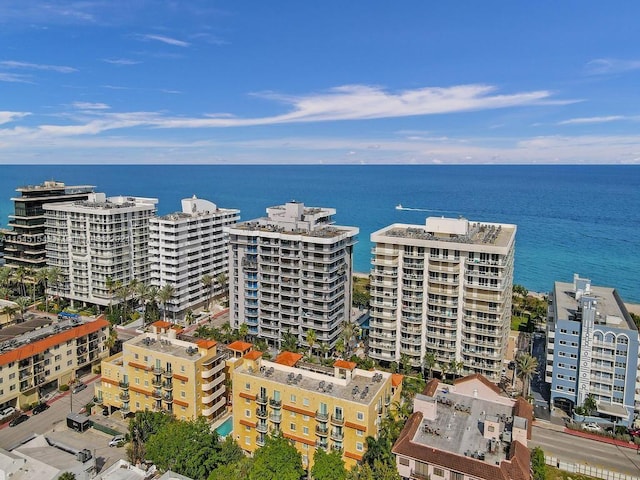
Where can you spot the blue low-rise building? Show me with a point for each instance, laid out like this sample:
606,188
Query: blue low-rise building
592,349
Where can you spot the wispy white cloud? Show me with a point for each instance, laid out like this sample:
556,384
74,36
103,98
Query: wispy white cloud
6,117
14,78
585,120
91,106
37,66
603,66
164,39
121,61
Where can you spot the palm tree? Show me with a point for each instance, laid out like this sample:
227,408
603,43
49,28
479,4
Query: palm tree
23,305
311,341
9,311
6,275
455,368
67,476
243,331
165,294
223,281
122,294
19,276
207,283
111,286
53,278
42,277
111,340
189,317
428,362
348,330
527,366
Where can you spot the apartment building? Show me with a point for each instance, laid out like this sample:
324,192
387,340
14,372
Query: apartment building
25,242
96,241
443,288
40,354
332,408
465,431
592,349
185,246
291,271
158,371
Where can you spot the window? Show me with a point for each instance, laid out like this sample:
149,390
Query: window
135,355
137,404
12,376
247,413
57,358
146,383
247,401
438,472
292,427
456,476
293,398
57,369
247,440
69,363
360,416
305,402
359,433
137,381
305,430
247,386
403,461
183,394
359,446
293,414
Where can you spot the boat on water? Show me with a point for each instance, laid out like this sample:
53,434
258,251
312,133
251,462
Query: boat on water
399,206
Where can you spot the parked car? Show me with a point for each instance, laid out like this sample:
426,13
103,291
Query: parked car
7,412
634,432
117,441
105,412
78,388
591,427
19,419
41,407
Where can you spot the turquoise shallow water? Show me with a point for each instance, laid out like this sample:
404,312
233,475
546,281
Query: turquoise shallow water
226,427
571,219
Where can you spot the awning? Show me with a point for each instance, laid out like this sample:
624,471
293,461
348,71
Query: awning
613,410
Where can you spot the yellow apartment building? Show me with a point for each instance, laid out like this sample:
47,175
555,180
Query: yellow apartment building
159,372
333,408
40,355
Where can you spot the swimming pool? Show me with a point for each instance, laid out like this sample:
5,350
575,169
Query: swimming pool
226,427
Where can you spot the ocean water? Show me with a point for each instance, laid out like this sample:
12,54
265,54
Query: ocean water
571,219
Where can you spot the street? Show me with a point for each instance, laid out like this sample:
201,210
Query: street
570,448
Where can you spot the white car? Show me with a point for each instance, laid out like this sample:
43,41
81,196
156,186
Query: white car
591,427
117,441
7,411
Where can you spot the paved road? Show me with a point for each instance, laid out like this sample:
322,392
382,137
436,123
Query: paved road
60,406
574,449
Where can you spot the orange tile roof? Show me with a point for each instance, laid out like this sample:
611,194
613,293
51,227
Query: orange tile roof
31,349
206,343
161,324
396,379
239,346
253,355
288,358
345,364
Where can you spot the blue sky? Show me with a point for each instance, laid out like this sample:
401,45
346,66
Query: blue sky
204,81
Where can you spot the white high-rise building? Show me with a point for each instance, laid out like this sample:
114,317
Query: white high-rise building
184,247
445,288
291,272
97,241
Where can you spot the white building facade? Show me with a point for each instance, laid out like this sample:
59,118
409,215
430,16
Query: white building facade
97,239
443,288
291,272
187,245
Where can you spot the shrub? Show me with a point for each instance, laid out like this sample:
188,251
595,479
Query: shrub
63,388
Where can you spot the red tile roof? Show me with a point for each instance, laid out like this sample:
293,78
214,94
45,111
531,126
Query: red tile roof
239,346
431,387
39,346
288,358
253,355
345,364
524,409
207,344
161,324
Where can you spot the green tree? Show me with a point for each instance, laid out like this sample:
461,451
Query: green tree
188,448
538,465
165,294
378,449
141,427
23,304
328,466
111,286
289,342
207,283
590,405
428,362
223,283
151,312
67,476
243,331
311,341
277,460
54,275
233,471
527,367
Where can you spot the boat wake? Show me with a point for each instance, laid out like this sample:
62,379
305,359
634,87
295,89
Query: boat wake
413,209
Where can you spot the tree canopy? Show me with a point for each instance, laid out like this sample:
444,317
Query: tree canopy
277,460
328,466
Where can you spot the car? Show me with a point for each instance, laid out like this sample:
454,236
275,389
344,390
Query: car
41,407
7,412
105,412
117,441
634,432
23,417
78,388
591,427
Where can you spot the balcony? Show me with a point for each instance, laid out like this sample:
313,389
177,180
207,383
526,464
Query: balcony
322,431
262,427
261,400
260,440
156,382
337,420
124,396
275,418
167,385
157,394
275,403
322,416
337,436
167,374
261,413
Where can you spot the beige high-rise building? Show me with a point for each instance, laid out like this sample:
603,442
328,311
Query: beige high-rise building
316,407
443,288
291,272
159,372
